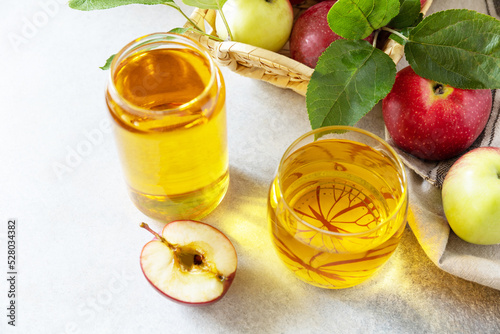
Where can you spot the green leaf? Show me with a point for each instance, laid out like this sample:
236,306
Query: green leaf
458,47
108,63
349,79
180,30
409,12
205,4
105,4
356,19
418,20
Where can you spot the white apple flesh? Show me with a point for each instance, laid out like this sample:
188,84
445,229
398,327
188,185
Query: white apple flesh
191,262
471,196
266,24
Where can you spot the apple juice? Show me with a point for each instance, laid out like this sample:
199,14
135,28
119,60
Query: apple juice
337,211
168,105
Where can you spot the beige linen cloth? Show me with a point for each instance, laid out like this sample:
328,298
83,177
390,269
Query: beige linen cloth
477,263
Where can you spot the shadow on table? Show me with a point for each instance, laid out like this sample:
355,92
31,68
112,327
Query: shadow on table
263,287
409,295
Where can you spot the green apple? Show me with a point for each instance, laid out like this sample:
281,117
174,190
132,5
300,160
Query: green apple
471,196
266,24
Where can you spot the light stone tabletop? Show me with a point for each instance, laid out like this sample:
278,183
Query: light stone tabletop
78,235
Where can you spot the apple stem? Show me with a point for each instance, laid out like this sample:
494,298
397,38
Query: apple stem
225,22
438,89
375,37
215,38
197,258
395,32
174,5
159,237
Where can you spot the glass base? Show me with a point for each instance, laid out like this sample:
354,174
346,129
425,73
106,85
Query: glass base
193,205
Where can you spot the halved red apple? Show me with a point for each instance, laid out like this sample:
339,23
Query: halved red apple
191,262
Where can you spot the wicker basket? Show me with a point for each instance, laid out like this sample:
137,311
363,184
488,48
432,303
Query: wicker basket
276,68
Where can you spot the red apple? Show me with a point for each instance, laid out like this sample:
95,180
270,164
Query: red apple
434,121
298,2
422,3
190,262
311,34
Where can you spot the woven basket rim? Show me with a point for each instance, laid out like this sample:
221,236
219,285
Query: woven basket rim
273,67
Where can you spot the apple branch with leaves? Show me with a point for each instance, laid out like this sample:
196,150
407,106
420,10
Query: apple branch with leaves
457,47
88,5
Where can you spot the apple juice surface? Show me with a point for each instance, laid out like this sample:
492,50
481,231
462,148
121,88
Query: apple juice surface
175,162
329,216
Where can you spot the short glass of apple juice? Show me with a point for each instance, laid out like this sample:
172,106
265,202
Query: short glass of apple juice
337,206
167,99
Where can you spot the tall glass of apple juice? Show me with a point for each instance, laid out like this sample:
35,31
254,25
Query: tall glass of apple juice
167,99
337,207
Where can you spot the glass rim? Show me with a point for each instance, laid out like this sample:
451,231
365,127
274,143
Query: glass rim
141,44
397,160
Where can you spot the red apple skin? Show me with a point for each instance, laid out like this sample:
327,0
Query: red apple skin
298,2
227,283
422,3
311,34
434,126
